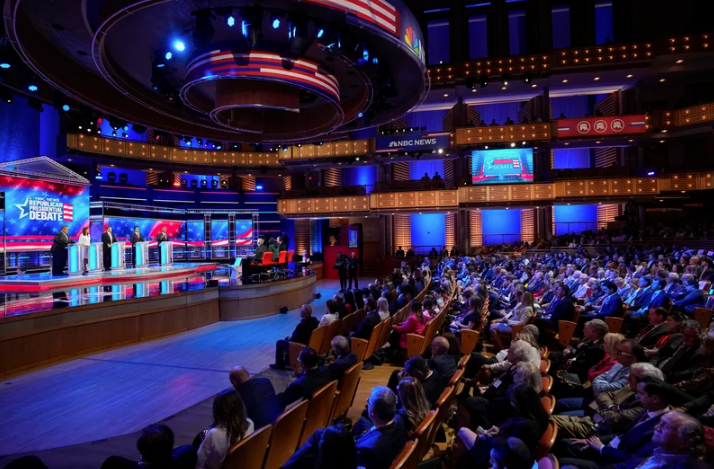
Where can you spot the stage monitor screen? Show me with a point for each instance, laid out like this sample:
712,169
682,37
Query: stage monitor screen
195,232
244,233
36,210
505,166
149,228
353,239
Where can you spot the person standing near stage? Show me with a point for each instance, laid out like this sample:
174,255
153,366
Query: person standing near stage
352,267
108,239
341,264
136,237
84,242
59,250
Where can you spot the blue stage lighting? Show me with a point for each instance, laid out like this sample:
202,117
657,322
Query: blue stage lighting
276,23
160,65
5,65
32,88
126,128
359,115
179,46
259,188
375,60
169,55
231,21
365,54
65,107
320,33
244,28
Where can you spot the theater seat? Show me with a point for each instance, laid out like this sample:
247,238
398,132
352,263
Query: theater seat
249,453
408,458
319,411
286,435
546,441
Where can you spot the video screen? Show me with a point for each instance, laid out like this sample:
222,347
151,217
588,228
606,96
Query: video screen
219,239
36,210
149,228
353,239
195,233
244,233
506,166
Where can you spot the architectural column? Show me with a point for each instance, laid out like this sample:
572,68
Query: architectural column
539,26
544,223
497,19
582,23
458,30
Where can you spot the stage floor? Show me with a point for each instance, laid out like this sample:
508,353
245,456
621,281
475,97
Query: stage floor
123,390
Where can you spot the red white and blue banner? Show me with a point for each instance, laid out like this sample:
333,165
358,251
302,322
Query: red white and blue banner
378,12
244,232
36,210
602,126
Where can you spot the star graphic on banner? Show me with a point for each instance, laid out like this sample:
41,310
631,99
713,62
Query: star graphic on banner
489,165
22,208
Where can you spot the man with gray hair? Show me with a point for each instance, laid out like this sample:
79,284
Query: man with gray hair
575,361
615,409
344,358
380,445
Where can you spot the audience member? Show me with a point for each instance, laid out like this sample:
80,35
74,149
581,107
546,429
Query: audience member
441,361
301,335
379,446
344,358
230,425
310,380
258,395
155,445
326,449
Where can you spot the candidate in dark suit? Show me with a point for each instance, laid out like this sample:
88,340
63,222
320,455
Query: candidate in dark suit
136,237
59,250
258,395
282,245
344,361
379,446
108,239
308,382
162,238
635,441
301,335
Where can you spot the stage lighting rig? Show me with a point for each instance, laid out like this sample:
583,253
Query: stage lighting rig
252,25
203,31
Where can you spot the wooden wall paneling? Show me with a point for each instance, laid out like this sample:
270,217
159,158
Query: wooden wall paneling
475,228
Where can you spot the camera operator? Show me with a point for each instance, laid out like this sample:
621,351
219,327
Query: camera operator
342,265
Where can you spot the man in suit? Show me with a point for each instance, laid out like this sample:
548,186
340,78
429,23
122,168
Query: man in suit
380,445
611,304
156,447
308,382
417,367
260,250
136,237
585,354
693,297
399,253
656,328
707,273
301,335
162,237
644,294
687,356
633,442
344,361
441,361
286,240
367,325
59,250
108,239
679,440
561,307
352,268
258,396
282,245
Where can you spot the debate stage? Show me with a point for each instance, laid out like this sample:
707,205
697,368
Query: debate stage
46,319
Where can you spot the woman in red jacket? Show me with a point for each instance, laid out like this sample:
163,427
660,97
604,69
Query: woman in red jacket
415,323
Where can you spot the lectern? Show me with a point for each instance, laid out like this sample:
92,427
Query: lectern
118,255
141,254
166,253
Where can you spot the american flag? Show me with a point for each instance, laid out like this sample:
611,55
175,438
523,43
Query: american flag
68,212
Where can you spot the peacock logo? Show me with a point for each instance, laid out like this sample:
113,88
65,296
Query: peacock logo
414,43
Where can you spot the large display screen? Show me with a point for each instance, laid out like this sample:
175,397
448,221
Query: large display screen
353,241
506,166
36,210
149,228
219,233
195,233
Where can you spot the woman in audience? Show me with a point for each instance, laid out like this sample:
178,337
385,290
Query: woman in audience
383,308
415,324
473,319
610,343
519,316
584,289
414,406
528,424
429,309
327,448
230,425
331,315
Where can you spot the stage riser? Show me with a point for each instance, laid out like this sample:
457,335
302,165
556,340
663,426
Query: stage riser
51,337
266,299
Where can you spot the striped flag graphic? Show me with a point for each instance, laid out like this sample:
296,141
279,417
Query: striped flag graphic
68,212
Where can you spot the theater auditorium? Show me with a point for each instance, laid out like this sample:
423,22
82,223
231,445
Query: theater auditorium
342,234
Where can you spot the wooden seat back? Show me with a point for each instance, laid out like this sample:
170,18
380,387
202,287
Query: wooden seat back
373,339
548,403
359,347
408,458
454,381
330,333
544,366
442,406
566,329
249,453
319,411
469,339
614,324
703,316
546,441
348,323
386,330
422,433
464,360
315,342
547,385
285,436
346,394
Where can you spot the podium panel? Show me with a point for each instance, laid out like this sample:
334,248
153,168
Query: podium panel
141,254
74,262
118,255
96,258
166,253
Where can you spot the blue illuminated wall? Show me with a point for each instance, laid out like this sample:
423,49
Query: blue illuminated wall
432,120
571,158
429,229
135,177
360,176
27,133
430,167
500,226
574,219
500,112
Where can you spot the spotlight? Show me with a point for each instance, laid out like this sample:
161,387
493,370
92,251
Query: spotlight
513,144
484,81
179,46
114,133
126,128
224,184
125,135
199,141
527,78
31,86
259,187
214,184
6,96
504,80
5,65
184,182
204,184
275,22
230,21
169,55
251,26
320,33
651,173
98,176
